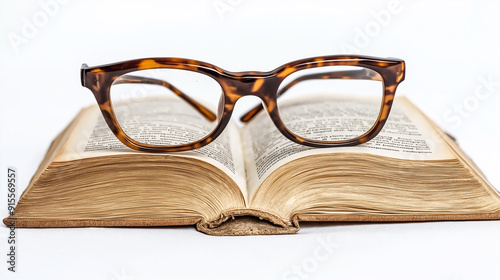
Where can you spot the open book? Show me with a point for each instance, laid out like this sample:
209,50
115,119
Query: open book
252,180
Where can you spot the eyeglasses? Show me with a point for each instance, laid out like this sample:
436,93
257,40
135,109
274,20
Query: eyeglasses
176,104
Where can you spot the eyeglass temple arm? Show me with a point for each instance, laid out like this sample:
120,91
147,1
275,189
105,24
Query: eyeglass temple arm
363,74
131,79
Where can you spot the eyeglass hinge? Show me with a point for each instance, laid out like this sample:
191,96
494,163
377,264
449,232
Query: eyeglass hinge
83,72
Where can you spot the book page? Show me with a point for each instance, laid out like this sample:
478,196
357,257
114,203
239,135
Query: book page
92,137
406,135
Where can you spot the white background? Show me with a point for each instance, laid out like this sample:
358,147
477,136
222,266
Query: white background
452,54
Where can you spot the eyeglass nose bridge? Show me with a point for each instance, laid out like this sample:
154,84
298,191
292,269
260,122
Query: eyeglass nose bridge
262,85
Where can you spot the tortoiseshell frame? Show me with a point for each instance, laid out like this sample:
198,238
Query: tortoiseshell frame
238,84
